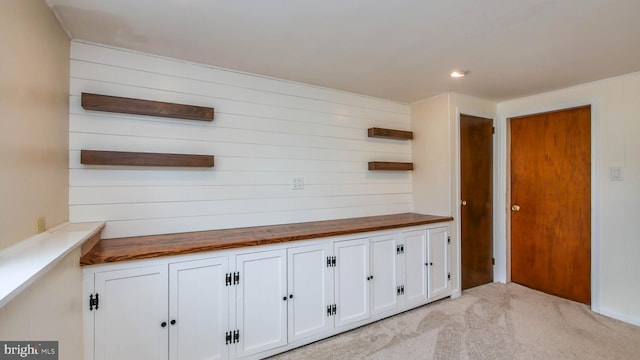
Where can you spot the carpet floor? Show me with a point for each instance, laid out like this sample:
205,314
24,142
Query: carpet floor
493,322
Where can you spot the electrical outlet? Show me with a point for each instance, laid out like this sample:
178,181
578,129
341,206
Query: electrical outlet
297,183
41,224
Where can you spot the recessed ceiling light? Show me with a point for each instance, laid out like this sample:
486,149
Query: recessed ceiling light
458,73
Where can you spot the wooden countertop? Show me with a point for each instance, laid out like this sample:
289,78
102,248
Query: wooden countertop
143,247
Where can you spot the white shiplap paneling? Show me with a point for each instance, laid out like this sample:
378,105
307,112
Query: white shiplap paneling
265,132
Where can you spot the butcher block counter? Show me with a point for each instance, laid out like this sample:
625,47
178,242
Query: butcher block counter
144,247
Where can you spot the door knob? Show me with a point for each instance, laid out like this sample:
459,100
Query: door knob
515,208
464,203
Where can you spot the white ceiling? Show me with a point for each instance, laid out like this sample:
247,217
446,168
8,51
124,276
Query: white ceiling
402,50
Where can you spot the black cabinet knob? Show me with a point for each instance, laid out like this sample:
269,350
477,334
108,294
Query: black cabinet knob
430,264
291,296
164,324
173,322
284,298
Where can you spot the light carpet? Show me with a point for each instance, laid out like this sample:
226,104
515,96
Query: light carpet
493,322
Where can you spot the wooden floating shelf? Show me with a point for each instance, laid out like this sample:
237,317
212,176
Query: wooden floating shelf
124,105
390,134
385,165
98,157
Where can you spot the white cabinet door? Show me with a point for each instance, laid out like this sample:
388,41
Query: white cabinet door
310,284
351,284
438,258
414,266
384,296
198,309
261,301
131,319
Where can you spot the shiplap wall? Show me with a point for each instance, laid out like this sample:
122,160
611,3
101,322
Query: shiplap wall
265,132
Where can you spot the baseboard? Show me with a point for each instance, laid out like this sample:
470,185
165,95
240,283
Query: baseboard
612,314
456,293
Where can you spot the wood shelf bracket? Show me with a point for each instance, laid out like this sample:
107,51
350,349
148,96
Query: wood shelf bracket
124,105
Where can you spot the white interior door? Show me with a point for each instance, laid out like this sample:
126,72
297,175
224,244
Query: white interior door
310,284
198,309
131,320
351,284
261,301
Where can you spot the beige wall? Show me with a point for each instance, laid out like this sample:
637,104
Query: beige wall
435,149
431,153
34,108
49,310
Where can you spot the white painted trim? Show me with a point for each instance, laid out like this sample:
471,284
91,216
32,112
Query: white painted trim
595,186
615,315
26,261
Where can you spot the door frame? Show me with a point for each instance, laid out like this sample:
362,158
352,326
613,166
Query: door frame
456,195
503,233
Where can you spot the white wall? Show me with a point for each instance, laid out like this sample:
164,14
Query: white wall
616,229
265,132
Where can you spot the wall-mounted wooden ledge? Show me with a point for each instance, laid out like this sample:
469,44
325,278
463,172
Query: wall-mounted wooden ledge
99,157
386,165
125,105
390,134
21,264
142,247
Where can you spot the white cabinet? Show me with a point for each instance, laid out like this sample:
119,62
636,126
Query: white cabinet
351,281
175,312
310,284
413,269
198,309
365,278
255,302
383,275
131,311
439,275
261,300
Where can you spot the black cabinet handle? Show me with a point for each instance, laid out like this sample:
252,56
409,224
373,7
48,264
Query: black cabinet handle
173,322
284,298
291,296
430,264
164,324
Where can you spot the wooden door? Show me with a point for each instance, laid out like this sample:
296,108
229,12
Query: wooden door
198,309
476,211
310,284
551,202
